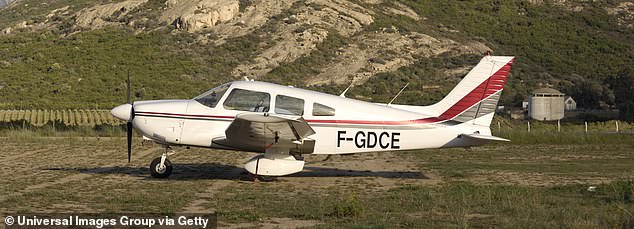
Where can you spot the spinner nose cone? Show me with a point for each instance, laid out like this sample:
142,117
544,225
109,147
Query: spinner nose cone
122,112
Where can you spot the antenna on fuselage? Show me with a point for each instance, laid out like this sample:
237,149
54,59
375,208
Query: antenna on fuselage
343,94
397,94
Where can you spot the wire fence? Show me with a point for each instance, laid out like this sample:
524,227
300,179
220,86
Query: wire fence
612,126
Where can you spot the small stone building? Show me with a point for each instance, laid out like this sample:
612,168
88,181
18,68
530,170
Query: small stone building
546,104
570,104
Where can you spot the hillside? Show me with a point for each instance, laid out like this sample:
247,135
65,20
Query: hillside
76,54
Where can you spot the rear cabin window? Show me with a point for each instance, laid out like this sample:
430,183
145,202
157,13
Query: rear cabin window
322,110
246,100
289,105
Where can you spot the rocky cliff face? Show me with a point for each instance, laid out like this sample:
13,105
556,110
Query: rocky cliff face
98,16
194,16
306,24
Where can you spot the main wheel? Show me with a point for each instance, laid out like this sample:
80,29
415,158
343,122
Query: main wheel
158,172
267,178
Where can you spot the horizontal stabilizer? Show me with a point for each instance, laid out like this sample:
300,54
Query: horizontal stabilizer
484,137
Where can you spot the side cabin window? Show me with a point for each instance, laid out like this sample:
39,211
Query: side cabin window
289,105
322,110
213,96
246,100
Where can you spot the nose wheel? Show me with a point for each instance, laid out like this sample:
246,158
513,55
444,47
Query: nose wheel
161,167
159,170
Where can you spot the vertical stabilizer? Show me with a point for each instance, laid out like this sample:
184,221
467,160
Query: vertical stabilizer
475,98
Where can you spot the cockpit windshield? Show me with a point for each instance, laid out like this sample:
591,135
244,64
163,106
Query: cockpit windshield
213,96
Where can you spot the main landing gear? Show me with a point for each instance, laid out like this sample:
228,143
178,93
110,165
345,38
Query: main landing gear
265,178
161,167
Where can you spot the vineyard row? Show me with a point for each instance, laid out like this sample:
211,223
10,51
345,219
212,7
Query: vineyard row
67,117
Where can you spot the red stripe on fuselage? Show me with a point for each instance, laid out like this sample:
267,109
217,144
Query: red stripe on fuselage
406,122
185,115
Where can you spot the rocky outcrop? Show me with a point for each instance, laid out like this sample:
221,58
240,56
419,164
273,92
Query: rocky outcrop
574,6
193,16
254,16
625,13
300,33
102,15
374,53
292,45
30,25
347,8
401,9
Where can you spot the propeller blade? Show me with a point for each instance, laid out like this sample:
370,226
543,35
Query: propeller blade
129,99
129,141
129,123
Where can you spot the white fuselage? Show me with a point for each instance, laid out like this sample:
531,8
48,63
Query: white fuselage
283,122
355,127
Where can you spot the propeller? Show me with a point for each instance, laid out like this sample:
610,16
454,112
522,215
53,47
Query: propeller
129,123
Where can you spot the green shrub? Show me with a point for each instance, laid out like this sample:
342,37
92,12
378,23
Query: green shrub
347,207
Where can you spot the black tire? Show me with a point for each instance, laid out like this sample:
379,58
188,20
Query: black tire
267,178
160,174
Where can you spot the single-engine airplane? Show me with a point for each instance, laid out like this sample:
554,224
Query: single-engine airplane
283,123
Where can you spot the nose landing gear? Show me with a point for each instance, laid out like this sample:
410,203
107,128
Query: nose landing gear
161,167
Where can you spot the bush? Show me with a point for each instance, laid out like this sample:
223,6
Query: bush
347,207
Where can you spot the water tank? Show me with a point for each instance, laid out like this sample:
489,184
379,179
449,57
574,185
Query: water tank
546,104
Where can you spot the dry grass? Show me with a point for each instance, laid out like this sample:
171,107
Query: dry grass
493,186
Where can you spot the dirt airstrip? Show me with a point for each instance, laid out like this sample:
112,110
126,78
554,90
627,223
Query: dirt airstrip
92,175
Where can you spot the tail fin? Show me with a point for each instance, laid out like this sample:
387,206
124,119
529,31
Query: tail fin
475,98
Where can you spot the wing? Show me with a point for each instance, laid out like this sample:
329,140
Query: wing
258,131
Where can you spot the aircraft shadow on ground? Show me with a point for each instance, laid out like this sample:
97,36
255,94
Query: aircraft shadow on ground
335,172
229,172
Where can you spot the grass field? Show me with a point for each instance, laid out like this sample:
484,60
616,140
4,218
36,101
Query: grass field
499,185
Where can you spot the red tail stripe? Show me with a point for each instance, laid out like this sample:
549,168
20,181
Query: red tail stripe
490,86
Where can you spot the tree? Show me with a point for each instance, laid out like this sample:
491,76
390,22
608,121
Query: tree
623,87
588,94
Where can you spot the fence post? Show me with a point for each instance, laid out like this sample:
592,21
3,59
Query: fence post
529,126
617,125
558,126
586,123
